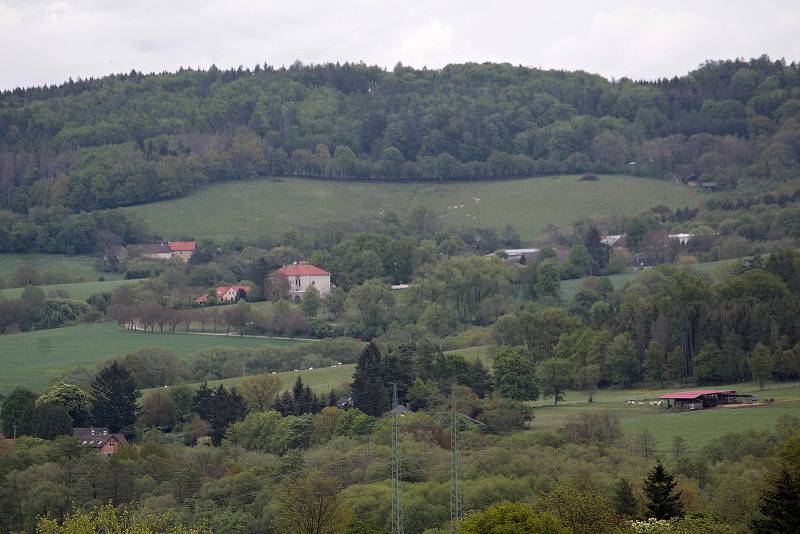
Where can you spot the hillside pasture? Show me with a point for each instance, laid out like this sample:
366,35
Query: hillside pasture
713,269
79,291
78,268
321,380
696,427
33,359
251,209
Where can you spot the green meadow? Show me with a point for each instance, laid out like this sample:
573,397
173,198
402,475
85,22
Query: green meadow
251,209
696,427
79,291
33,359
321,380
79,268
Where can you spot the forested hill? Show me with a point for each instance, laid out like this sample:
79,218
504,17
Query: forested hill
134,138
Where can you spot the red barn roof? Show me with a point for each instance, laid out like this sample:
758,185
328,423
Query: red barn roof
696,393
301,269
183,246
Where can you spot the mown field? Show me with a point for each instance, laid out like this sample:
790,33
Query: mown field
696,427
79,291
266,207
79,268
33,359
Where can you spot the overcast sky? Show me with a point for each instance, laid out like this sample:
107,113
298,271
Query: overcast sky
48,41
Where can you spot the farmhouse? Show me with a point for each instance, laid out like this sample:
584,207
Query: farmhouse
614,241
171,249
99,439
302,275
226,294
683,239
705,398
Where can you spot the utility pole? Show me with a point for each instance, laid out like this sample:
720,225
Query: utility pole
397,509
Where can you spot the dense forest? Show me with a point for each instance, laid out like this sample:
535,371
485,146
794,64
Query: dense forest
133,138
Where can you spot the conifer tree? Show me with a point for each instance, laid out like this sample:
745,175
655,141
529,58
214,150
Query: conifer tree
115,395
780,506
659,488
624,501
368,388
201,403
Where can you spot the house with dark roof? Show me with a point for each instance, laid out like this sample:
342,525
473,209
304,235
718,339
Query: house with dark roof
705,398
171,249
300,276
100,439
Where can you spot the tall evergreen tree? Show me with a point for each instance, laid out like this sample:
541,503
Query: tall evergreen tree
599,251
227,407
624,501
780,506
368,388
480,379
659,487
115,395
201,403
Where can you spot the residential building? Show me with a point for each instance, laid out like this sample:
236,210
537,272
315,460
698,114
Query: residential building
172,249
302,275
226,294
614,241
683,239
99,439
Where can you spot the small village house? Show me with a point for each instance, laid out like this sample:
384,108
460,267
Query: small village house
614,241
99,439
705,398
300,276
172,249
683,239
226,294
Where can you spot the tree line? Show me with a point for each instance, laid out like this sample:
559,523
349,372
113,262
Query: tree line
81,146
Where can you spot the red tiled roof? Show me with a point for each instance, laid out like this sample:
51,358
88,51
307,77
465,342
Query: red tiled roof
183,246
696,393
301,269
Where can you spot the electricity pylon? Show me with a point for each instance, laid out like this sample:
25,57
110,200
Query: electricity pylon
397,508
456,420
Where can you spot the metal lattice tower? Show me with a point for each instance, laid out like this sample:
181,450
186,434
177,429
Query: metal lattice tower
456,420
397,508
455,493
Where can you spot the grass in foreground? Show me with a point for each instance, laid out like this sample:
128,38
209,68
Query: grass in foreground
254,208
80,267
33,359
696,427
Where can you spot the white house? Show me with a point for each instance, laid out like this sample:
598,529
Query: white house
302,275
683,239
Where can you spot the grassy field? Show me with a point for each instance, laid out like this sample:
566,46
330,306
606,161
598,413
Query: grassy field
266,207
697,427
79,268
322,380
32,359
79,291
712,268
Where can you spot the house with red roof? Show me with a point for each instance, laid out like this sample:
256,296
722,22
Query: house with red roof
171,249
226,294
300,276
